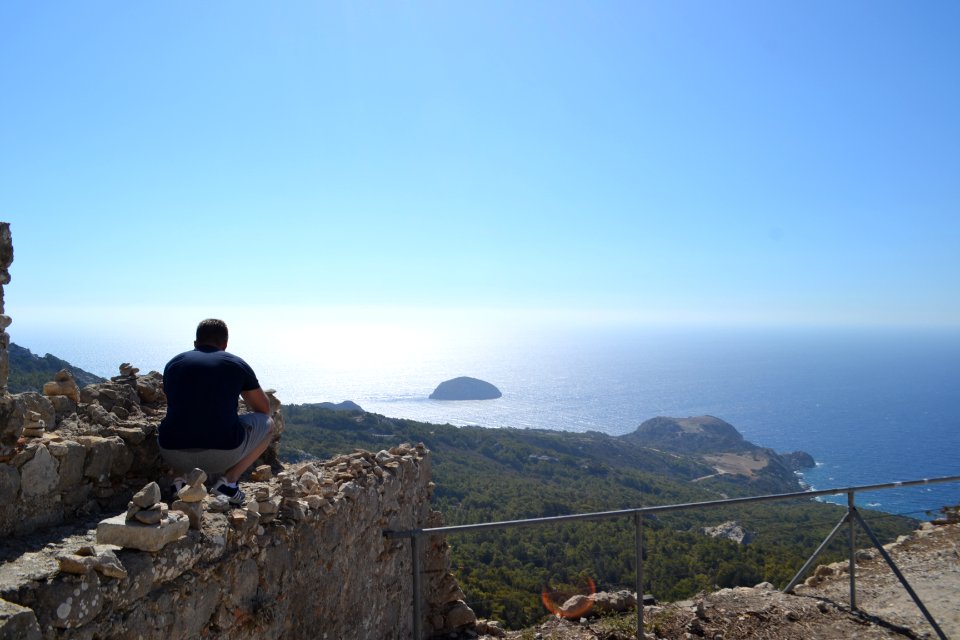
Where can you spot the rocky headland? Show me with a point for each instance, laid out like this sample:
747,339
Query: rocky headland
718,444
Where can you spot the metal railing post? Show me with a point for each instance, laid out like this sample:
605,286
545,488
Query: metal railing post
638,541
852,536
903,580
417,615
816,554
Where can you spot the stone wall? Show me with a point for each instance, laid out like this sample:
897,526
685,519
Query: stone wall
321,568
304,558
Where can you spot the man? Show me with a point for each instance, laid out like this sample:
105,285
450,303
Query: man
202,428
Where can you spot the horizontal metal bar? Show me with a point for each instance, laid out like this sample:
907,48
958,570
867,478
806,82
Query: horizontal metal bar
603,515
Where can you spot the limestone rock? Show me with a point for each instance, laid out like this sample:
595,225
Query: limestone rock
192,493
153,515
730,530
196,477
108,564
9,484
17,623
193,510
87,559
613,602
133,535
491,628
39,476
150,388
76,564
261,473
72,603
459,616
148,496
63,385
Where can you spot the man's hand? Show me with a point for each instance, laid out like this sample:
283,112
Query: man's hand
257,400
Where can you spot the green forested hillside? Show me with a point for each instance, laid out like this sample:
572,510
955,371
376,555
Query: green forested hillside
29,372
485,475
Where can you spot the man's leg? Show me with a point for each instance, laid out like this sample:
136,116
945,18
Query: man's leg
256,428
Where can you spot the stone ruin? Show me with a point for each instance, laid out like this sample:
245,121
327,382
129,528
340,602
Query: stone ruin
90,549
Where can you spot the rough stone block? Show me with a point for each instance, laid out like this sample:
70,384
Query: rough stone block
70,603
153,515
196,477
9,484
192,493
193,510
99,457
132,535
62,406
460,616
17,623
148,496
76,564
71,456
109,564
39,476
65,388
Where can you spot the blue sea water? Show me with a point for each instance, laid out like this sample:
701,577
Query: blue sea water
871,405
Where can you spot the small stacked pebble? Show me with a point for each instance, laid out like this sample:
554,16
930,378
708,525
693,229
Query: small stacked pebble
146,507
128,371
267,505
33,426
190,497
291,506
128,375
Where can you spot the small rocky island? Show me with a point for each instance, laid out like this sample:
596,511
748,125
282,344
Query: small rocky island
464,388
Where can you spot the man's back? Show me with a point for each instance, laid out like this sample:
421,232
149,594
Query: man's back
202,387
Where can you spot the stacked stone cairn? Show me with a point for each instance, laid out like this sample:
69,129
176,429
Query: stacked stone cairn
63,384
146,505
33,425
127,371
147,525
190,499
149,387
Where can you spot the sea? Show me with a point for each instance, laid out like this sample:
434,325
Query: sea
871,405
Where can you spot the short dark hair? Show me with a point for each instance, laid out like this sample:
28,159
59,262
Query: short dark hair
212,331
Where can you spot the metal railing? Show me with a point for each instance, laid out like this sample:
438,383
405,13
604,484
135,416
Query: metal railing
851,517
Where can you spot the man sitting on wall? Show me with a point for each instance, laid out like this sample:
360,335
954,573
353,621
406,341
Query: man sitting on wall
202,428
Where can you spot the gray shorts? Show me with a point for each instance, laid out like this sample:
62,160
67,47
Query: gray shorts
259,427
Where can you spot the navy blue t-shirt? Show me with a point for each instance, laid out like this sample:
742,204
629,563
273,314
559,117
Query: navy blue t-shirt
202,388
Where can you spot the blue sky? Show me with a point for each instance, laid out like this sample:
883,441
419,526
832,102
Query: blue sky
758,163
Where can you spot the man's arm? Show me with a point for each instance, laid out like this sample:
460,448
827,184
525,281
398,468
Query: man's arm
257,400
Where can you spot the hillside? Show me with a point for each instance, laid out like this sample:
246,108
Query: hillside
29,372
485,475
